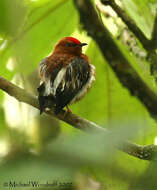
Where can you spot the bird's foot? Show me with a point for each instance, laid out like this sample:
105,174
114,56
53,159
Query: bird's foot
68,110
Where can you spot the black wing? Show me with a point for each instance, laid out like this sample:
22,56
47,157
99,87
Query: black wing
76,76
46,101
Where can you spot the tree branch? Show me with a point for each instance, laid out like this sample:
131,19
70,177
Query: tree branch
115,57
152,55
153,41
129,22
142,152
149,45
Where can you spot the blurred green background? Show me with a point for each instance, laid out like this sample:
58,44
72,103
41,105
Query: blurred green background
45,150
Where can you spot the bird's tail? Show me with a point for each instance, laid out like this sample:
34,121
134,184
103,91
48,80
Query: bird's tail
44,101
58,109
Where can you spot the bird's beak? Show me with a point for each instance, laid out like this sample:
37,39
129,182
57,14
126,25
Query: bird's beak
83,44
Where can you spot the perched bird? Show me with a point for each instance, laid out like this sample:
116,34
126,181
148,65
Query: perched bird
66,75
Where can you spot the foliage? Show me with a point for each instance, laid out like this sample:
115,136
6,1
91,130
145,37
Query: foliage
28,32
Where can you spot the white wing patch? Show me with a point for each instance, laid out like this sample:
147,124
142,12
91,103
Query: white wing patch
60,79
51,88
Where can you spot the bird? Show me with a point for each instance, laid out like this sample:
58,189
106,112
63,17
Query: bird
65,76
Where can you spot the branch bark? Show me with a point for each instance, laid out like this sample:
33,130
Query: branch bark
149,45
143,152
116,59
154,34
129,22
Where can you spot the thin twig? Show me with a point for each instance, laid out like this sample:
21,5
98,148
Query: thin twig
124,70
129,22
149,45
142,152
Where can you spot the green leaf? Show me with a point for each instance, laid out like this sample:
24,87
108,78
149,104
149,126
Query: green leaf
44,27
12,15
3,125
105,98
1,96
153,1
40,172
140,12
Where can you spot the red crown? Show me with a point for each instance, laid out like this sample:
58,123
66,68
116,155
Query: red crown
76,41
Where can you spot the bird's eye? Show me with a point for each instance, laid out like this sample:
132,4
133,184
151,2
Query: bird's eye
71,44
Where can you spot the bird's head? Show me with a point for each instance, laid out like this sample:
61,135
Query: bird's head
69,45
